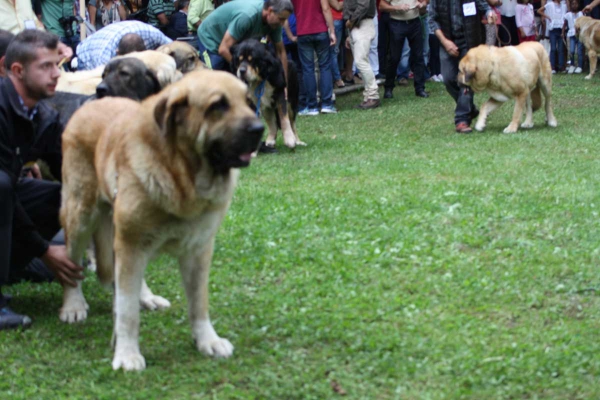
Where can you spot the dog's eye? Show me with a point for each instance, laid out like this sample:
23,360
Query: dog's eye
219,106
124,74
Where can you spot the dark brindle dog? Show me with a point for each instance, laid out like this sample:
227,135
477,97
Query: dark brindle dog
257,65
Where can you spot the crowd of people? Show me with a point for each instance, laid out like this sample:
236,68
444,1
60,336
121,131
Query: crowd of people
346,41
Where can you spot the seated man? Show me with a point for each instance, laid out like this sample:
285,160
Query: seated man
29,130
100,47
5,38
236,21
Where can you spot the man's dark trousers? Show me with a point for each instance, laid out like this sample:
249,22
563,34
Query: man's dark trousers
41,201
399,31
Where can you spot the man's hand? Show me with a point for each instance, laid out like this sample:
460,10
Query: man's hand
491,17
64,51
34,172
332,40
450,47
349,25
347,44
65,270
587,9
403,7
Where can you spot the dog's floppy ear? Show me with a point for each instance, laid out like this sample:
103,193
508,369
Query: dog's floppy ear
153,80
470,74
168,110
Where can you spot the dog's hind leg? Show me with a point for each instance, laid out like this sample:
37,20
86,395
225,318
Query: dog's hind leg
295,130
545,84
194,271
130,262
289,139
593,56
103,247
520,102
528,123
487,108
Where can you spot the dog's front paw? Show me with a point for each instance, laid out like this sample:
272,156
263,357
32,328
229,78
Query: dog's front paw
510,129
216,347
527,125
270,142
153,302
129,361
74,311
479,126
289,140
553,123
589,77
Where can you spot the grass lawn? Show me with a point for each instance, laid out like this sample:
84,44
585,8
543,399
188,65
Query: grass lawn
389,259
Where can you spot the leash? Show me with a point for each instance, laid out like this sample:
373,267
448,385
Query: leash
259,92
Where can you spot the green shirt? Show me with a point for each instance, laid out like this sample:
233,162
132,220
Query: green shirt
156,7
243,20
198,11
52,10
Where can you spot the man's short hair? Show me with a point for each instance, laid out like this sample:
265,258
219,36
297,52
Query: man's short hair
22,49
5,38
182,4
279,6
130,43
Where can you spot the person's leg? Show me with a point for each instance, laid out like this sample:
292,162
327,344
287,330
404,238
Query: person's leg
414,34
403,68
554,39
6,218
434,60
580,56
514,31
572,48
361,40
335,50
383,41
306,52
325,82
373,55
561,52
426,49
394,54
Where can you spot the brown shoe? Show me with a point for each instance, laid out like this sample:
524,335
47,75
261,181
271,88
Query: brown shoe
339,84
403,82
463,127
369,104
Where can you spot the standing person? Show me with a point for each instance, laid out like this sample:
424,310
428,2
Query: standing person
509,36
58,17
574,43
405,24
457,24
159,13
316,33
525,20
554,13
359,15
105,12
235,21
29,129
198,11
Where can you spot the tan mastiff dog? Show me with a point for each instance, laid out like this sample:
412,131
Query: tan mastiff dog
588,31
157,176
521,72
186,56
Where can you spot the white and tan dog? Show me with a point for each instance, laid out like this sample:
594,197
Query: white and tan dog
157,176
588,31
521,72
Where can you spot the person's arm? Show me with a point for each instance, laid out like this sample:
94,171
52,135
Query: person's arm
362,8
92,11
225,46
588,9
288,32
329,20
162,19
194,13
336,5
121,11
386,6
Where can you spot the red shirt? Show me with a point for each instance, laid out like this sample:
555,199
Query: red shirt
309,17
337,15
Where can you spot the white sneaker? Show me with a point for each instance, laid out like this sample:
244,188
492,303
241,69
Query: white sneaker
571,69
578,70
553,71
440,77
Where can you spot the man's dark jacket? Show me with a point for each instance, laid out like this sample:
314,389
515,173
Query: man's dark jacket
23,140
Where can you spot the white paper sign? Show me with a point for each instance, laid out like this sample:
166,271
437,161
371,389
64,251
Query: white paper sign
29,24
469,9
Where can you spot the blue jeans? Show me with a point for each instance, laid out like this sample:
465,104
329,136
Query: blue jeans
212,60
307,46
574,43
557,49
335,50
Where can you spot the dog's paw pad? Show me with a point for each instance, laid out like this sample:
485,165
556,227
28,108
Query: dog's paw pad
219,347
72,313
154,302
129,362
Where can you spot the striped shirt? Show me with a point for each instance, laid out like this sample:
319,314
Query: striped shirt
156,7
100,47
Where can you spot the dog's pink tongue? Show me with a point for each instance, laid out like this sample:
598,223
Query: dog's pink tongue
246,157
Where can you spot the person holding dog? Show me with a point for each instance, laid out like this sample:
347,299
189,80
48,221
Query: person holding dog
457,24
235,21
30,129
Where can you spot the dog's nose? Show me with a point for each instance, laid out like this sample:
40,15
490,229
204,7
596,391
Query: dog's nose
255,128
242,70
101,90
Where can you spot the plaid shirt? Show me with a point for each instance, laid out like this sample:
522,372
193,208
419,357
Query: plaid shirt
100,47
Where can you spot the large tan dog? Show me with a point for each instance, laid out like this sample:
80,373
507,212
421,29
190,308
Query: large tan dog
521,72
159,174
588,31
186,56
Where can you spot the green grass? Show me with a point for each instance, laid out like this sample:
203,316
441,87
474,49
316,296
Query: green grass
391,258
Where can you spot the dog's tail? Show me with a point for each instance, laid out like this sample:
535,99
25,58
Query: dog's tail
536,98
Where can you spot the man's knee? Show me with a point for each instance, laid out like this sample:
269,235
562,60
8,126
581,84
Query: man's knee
6,190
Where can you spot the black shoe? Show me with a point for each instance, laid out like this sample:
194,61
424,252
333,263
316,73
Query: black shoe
380,76
11,320
474,113
264,149
423,94
388,94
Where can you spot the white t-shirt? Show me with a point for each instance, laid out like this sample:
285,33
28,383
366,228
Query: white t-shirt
525,18
556,12
508,8
570,17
